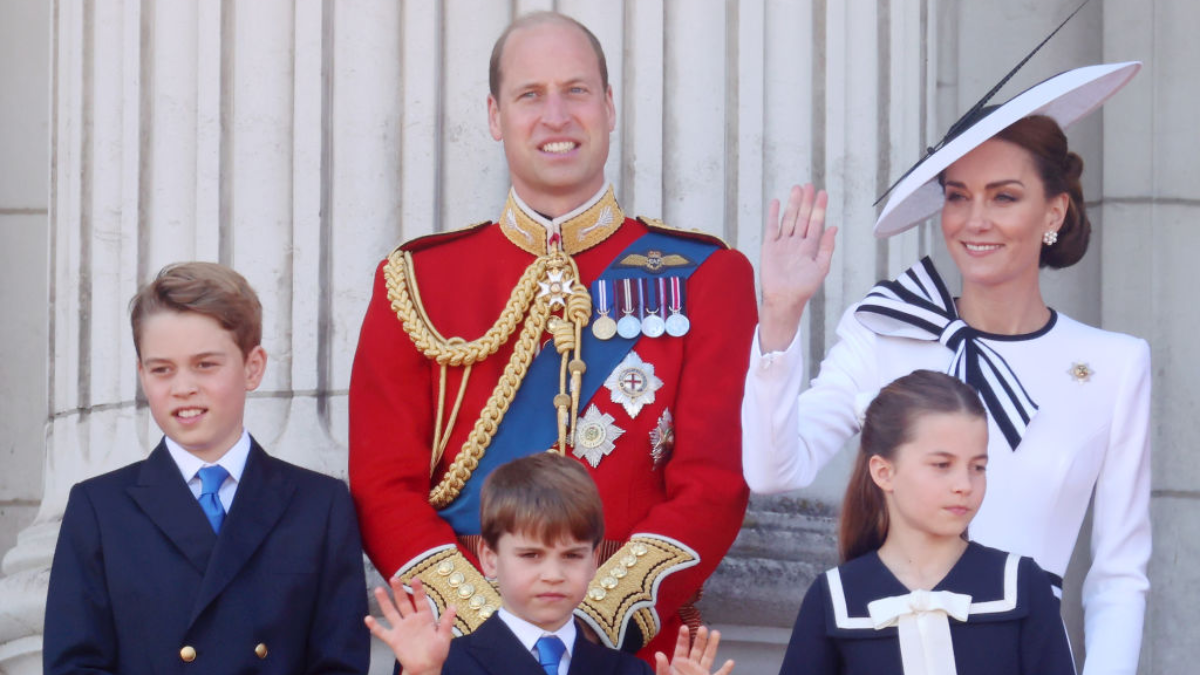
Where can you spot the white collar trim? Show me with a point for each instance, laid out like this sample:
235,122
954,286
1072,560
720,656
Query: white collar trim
841,615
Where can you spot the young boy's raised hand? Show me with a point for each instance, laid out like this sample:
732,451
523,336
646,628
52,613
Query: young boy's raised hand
419,641
697,660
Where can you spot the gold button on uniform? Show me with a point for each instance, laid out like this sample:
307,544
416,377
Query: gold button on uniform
261,650
188,654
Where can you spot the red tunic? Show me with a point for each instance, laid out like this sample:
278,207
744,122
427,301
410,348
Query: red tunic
697,498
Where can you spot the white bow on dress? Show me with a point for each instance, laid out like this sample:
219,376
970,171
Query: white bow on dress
921,619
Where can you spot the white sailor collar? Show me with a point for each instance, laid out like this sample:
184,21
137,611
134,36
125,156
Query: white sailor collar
995,581
584,227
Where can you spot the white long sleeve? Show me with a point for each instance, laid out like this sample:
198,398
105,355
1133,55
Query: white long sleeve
789,435
1090,434
1114,590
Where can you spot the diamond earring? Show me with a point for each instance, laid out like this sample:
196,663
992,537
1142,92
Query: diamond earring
1049,237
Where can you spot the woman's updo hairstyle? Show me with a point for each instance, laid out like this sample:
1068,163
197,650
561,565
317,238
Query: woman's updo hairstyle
1060,170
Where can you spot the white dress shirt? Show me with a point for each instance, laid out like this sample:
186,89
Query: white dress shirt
529,634
234,461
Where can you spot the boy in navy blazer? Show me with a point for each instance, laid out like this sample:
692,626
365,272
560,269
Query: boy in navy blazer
209,556
542,520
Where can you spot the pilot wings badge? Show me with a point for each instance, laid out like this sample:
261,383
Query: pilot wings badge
654,261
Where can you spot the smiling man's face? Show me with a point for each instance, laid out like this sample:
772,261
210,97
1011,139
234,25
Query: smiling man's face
554,115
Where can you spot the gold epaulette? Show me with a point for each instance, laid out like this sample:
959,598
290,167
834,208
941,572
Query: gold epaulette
660,226
619,605
450,579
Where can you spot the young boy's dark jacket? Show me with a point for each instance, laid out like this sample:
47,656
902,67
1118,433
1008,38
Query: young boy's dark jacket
141,584
493,649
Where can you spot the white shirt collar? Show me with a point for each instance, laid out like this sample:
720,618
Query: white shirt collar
529,634
552,226
234,460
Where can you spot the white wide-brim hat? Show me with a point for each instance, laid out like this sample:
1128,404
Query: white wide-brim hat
1066,97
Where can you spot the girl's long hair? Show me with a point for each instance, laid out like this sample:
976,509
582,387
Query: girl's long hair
889,423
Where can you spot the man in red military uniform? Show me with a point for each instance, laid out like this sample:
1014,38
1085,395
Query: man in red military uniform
562,326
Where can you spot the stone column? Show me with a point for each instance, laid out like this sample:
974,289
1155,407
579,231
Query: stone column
1151,209
24,190
179,131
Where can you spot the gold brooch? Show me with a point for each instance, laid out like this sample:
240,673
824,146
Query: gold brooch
1080,372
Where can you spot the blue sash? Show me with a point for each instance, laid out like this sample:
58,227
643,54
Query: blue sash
530,425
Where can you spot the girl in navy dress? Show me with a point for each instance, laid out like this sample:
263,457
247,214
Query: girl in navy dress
913,596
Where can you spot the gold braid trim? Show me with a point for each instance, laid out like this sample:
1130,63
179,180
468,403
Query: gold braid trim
626,588
558,271
450,579
406,302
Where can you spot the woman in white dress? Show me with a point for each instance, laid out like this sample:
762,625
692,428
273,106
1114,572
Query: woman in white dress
1068,404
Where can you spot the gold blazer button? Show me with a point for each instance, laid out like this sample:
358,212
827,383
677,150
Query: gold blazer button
188,654
261,650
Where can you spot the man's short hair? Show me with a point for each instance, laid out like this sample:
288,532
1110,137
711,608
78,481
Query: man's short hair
545,496
535,19
206,288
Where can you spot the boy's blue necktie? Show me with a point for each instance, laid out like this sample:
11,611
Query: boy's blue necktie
550,650
211,478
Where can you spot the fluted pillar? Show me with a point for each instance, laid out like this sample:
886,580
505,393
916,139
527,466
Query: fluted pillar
178,131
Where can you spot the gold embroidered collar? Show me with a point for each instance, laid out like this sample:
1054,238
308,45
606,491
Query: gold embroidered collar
579,230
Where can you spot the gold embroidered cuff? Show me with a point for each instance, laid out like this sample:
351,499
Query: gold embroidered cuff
450,579
619,605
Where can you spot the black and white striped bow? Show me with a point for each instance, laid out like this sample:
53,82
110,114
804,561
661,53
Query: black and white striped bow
917,305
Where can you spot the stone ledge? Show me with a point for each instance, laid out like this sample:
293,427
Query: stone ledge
783,545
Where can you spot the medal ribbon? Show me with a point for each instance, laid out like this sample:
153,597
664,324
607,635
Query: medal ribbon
527,428
602,297
659,303
627,310
676,296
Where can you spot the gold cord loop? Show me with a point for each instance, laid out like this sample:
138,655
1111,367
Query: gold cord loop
406,302
525,302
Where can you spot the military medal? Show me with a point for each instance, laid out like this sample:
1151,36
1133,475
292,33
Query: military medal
555,287
677,324
629,326
633,383
652,324
662,439
594,436
603,327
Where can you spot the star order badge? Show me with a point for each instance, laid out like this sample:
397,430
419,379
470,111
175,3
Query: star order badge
1081,372
662,439
594,436
633,383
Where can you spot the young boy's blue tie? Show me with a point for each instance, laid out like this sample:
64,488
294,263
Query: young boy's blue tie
211,478
550,650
